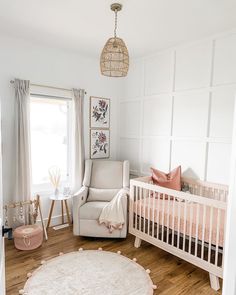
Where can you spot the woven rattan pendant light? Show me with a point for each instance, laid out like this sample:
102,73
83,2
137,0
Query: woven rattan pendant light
114,61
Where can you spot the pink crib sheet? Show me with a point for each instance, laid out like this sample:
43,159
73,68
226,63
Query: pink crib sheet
178,222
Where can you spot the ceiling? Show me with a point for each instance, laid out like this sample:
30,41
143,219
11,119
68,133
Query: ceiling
145,25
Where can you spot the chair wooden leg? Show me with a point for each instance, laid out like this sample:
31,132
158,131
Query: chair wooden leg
62,212
214,280
67,212
50,213
137,242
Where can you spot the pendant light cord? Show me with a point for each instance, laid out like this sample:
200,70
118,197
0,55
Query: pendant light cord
115,24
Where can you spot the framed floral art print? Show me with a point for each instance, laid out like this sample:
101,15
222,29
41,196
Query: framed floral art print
99,143
99,112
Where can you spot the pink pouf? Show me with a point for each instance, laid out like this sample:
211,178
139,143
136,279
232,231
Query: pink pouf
28,237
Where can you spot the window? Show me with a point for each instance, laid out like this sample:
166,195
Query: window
50,140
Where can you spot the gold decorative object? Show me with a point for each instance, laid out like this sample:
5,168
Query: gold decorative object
114,61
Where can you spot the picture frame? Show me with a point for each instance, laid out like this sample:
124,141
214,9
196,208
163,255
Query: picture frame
99,112
99,143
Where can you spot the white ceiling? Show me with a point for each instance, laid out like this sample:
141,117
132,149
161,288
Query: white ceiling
145,25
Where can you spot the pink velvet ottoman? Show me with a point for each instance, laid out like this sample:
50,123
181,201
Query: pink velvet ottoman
28,237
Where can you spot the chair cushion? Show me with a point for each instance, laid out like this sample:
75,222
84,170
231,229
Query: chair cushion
107,174
91,210
105,195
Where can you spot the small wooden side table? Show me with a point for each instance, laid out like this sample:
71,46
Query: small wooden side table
63,199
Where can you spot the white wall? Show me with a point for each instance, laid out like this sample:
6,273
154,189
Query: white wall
49,66
229,283
177,108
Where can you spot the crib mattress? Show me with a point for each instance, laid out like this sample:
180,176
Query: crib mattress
190,218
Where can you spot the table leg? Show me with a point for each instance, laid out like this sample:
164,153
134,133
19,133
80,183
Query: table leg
50,213
62,212
67,212
41,216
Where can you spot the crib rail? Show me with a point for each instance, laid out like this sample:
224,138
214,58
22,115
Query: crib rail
206,189
188,225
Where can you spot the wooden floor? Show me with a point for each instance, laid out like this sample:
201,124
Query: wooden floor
171,275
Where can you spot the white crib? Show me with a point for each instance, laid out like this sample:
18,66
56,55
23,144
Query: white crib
189,224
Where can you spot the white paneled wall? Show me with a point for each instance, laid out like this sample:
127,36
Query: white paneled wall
190,114
159,73
178,110
157,115
225,60
193,66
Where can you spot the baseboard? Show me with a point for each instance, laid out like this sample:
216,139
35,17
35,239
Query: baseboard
55,220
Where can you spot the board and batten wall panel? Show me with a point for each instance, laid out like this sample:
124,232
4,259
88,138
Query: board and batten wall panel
193,66
158,71
190,114
177,109
157,115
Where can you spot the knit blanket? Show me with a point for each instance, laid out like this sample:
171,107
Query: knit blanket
113,215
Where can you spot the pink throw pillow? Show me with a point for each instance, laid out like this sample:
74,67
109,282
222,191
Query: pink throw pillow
171,180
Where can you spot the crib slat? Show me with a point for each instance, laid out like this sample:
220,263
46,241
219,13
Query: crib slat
158,213
153,212
201,190
144,212
178,234
173,222
221,195
191,188
131,205
140,208
185,217
210,234
217,236
136,207
163,217
168,220
203,231
197,226
190,229
156,210
148,230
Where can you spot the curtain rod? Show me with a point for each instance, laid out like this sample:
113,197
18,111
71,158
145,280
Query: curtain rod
46,86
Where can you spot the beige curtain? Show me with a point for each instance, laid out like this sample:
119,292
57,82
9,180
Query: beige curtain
78,139
23,152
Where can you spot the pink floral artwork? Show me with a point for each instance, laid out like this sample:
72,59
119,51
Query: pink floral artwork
100,144
99,112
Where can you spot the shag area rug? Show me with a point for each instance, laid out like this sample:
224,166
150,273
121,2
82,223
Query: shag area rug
89,272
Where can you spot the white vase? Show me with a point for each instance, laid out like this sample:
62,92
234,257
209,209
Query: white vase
56,192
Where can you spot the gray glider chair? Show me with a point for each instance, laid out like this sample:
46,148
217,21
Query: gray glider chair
102,180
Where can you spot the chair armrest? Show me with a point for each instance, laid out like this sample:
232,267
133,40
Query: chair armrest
126,192
80,197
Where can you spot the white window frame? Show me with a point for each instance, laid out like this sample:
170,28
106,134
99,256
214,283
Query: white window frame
47,187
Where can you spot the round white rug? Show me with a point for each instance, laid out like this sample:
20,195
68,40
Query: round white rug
89,272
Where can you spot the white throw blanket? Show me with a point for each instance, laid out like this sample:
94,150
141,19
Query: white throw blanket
113,214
